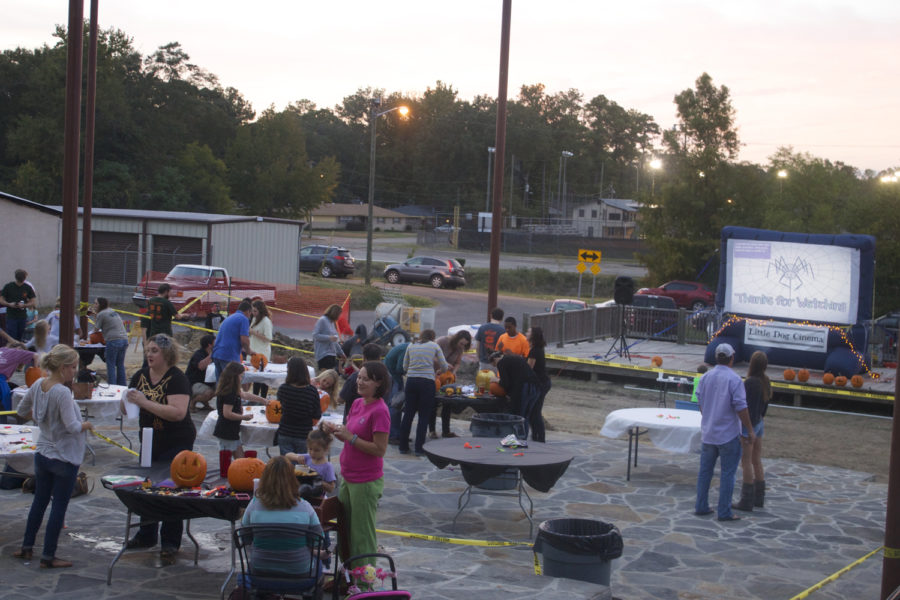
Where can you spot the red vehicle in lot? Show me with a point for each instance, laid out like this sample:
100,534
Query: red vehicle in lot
686,294
202,288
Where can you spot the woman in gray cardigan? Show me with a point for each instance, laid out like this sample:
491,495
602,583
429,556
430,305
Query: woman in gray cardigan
60,450
109,323
326,338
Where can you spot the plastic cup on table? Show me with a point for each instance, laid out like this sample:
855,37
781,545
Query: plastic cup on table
132,410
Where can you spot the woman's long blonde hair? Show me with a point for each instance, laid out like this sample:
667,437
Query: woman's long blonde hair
41,330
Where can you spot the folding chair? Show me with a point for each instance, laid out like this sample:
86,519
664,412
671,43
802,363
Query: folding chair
279,559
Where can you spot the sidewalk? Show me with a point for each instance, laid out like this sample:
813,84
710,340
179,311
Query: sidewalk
816,521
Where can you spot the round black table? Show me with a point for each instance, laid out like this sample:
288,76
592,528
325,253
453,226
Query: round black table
480,404
482,458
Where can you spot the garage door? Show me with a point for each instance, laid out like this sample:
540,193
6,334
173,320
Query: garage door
170,250
114,257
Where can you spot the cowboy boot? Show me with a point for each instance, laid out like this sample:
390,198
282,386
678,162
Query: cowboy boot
224,463
746,502
759,493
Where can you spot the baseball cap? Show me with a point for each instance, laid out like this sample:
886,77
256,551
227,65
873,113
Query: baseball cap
724,350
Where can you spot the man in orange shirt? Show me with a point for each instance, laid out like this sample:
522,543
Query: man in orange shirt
512,341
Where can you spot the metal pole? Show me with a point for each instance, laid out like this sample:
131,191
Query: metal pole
565,164
487,199
890,570
70,171
369,225
89,110
559,185
500,145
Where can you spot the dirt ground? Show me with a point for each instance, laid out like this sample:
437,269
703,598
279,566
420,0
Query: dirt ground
849,441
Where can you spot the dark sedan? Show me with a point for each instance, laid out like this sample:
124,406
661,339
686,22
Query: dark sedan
437,272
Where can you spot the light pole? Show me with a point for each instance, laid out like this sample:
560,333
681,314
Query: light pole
655,165
563,157
487,200
373,118
782,175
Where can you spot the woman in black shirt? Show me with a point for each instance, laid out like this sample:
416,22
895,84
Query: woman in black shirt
538,364
299,407
519,381
162,392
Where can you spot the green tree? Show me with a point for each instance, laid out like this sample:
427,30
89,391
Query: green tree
205,176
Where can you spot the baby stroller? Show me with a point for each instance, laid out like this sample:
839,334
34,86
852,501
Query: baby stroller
375,578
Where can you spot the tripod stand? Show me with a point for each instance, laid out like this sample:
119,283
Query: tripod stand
620,344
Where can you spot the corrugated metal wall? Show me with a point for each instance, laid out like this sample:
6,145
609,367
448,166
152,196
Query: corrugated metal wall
257,250
30,240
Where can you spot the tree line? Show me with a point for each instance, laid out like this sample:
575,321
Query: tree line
169,136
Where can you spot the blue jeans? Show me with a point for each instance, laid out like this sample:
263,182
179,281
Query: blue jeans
396,413
524,405
115,362
730,452
291,444
220,366
15,327
54,478
419,400
536,418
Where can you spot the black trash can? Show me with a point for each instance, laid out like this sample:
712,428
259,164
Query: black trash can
498,425
579,549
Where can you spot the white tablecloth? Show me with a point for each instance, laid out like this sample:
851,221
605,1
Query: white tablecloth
670,429
17,440
103,404
273,375
258,431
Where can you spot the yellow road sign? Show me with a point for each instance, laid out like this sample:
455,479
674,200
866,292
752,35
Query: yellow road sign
595,269
580,267
589,256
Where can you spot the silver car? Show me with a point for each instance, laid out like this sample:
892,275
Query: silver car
438,272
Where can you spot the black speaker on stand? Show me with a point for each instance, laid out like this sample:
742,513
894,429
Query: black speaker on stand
623,294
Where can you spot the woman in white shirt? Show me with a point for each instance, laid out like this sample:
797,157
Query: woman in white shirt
60,450
261,338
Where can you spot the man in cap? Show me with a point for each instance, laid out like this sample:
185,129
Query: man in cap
723,407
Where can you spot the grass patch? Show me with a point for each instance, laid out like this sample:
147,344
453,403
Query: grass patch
363,297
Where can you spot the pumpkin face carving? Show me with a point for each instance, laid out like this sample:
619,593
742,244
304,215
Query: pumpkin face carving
443,379
803,375
856,381
243,471
840,380
273,411
188,469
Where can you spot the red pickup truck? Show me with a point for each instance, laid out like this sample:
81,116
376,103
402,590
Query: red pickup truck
201,286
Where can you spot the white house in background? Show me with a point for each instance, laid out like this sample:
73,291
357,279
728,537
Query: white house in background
355,216
606,218
30,236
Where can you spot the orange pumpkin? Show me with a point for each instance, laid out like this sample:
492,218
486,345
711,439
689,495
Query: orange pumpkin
243,471
496,390
188,469
828,378
32,374
324,401
656,361
258,361
840,380
273,411
789,374
96,338
483,379
443,379
803,375
856,381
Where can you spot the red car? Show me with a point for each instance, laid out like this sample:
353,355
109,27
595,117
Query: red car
686,294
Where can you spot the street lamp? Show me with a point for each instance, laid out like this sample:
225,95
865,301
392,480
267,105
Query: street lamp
563,157
373,117
782,175
487,200
655,165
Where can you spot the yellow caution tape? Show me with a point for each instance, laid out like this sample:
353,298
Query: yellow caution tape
891,552
114,443
447,540
537,565
7,412
189,304
834,576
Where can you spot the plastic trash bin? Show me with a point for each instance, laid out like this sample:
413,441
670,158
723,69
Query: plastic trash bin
579,549
498,425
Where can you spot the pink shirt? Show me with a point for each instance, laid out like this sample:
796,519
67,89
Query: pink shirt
364,420
11,358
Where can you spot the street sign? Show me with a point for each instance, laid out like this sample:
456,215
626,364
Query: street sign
589,256
580,267
595,269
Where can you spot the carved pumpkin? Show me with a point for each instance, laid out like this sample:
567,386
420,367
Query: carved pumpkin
32,374
443,379
258,361
803,375
96,338
483,379
656,361
789,374
828,378
188,469
840,380
273,411
497,390
243,471
856,381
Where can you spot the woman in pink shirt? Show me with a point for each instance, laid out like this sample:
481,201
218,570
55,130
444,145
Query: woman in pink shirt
365,438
